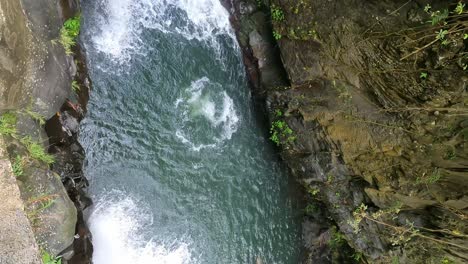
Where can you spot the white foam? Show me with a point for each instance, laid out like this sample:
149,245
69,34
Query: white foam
116,28
120,23
207,99
193,146
118,224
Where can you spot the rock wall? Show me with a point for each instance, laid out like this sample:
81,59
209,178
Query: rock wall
17,242
34,70
377,103
36,85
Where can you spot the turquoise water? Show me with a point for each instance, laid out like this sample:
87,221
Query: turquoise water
181,170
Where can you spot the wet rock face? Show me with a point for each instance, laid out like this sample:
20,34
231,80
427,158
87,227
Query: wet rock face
17,243
50,210
260,53
378,115
34,71
35,80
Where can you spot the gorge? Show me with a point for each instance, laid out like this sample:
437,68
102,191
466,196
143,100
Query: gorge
233,131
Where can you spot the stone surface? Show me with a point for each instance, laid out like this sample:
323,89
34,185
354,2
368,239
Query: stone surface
51,212
34,70
368,129
17,242
36,75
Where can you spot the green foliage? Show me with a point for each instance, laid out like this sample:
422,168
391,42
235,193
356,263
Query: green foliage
8,124
441,34
313,191
427,8
36,150
330,178
431,178
337,239
446,260
69,32
36,116
449,27
281,133
423,75
277,35
358,256
278,113
277,13
310,209
460,8
439,17
305,31
49,259
450,154
259,3
17,166
75,86
434,177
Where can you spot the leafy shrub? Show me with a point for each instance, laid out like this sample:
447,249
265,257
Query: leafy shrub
49,259
8,124
277,35
69,32
17,166
280,132
277,13
36,150
75,86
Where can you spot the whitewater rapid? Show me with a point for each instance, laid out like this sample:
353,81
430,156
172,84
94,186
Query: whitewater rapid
206,99
118,221
122,22
118,224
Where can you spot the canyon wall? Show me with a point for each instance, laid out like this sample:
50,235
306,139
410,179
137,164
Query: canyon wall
36,78
371,119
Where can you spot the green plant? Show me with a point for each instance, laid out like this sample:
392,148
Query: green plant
8,124
460,8
450,154
358,256
434,177
337,238
36,150
278,113
313,191
36,116
310,209
439,16
75,86
401,234
329,178
49,259
450,27
259,3
277,13
446,260
423,75
37,204
17,166
281,133
277,35
69,32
